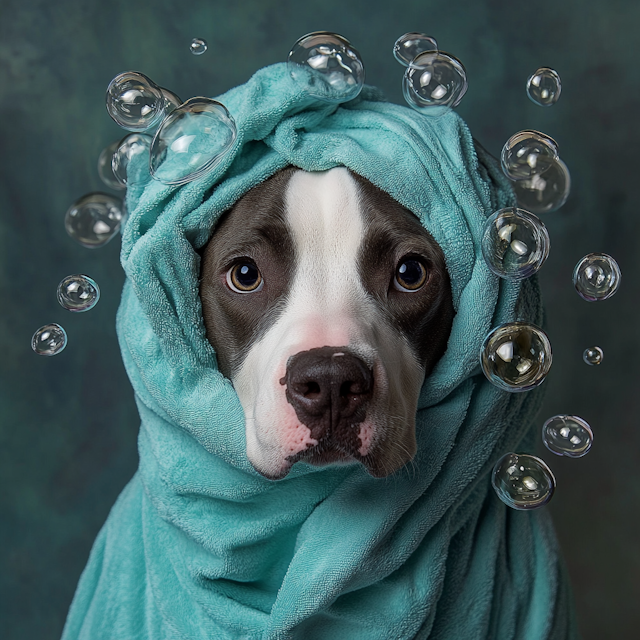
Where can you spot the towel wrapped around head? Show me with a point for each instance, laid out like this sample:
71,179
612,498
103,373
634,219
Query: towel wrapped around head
199,545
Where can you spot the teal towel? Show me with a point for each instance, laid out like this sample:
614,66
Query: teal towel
199,545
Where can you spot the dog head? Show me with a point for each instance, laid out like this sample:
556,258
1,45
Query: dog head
327,304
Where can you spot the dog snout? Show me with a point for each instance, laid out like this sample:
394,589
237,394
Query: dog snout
329,388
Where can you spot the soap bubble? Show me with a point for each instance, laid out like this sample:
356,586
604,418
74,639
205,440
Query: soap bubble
567,436
596,277
78,293
410,45
544,87
191,141
327,66
516,356
130,146
135,102
546,192
94,219
522,481
171,101
515,243
528,153
593,355
49,340
434,83
198,46
105,171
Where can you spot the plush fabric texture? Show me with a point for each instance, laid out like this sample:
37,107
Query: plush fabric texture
199,545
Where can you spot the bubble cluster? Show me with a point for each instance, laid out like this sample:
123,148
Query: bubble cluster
528,153
516,356
411,45
434,83
135,102
327,66
105,170
198,46
132,145
544,86
567,436
515,243
94,219
593,356
192,141
49,340
523,481
596,277
78,293
542,193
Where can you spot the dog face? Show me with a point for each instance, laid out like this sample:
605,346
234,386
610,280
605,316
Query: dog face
327,304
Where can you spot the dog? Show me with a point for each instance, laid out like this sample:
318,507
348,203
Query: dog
327,304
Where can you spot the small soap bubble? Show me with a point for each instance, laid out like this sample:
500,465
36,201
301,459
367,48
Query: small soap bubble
596,277
192,141
544,87
411,45
515,243
434,83
135,102
105,171
546,192
94,219
130,146
516,356
198,46
593,355
78,293
528,153
327,66
567,436
171,101
522,481
49,340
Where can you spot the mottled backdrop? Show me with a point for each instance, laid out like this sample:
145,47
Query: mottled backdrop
68,424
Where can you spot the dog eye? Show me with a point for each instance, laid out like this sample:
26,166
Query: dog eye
244,277
411,274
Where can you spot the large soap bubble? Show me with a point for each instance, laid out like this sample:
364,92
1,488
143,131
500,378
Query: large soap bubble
192,141
544,86
515,243
132,145
135,102
522,481
542,193
596,277
78,293
94,219
434,83
411,45
516,356
49,340
327,66
567,436
105,170
528,153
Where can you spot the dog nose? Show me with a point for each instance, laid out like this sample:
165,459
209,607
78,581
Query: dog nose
328,387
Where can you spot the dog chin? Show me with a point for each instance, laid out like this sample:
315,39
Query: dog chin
319,456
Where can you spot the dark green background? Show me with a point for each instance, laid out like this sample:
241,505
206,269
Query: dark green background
68,424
